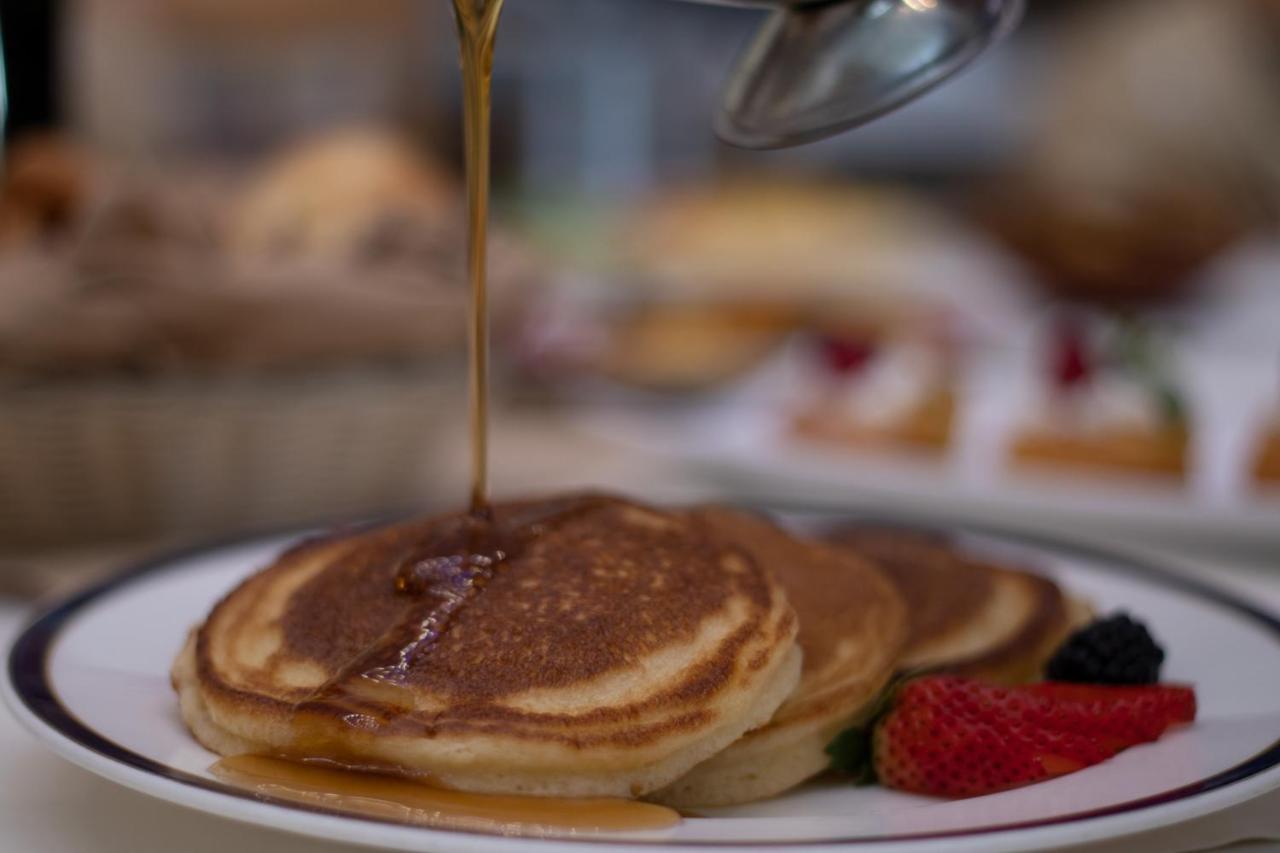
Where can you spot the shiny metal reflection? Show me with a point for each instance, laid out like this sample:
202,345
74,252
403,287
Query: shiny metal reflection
815,70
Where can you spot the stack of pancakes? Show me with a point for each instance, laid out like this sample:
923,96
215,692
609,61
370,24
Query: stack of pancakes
593,646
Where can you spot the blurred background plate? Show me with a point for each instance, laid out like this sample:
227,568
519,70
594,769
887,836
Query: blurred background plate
743,453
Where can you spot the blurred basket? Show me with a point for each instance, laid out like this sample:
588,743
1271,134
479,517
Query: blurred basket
107,460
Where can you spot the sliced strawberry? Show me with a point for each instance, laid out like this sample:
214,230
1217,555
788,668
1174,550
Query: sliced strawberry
924,752
1136,714
956,737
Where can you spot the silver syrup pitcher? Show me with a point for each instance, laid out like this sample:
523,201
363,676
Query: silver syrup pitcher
818,67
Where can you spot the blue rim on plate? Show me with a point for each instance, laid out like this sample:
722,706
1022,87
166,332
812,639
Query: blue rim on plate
30,654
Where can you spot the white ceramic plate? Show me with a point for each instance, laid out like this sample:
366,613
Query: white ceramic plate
90,679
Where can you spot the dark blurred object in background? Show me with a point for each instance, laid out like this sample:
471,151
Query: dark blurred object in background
32,64
1154,149
45,183
1139,247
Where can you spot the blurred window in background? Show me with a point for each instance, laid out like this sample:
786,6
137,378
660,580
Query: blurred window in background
152,78
593,96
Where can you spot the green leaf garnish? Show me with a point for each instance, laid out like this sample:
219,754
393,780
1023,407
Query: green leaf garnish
851,755
850,751
1172,407
1138,352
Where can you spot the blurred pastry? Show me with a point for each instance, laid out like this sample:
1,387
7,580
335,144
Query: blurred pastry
347,252
364,204
46,183
681,347
828,247
330,197
763,239
147,315
878,389
1150,97
1151,147
1115,246
1123,416
711,280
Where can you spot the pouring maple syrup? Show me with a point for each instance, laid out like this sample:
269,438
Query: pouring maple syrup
477,24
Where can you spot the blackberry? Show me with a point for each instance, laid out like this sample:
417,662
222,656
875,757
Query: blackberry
1115,650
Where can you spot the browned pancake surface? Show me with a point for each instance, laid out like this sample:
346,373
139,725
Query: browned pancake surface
1023,656
941,592
550,617
853,626
557,603
967,615
831,591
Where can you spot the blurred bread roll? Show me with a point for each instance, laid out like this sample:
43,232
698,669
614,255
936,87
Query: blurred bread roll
46,181
833,250
327,197
775,239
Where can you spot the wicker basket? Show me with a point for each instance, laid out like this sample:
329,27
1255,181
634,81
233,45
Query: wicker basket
92,462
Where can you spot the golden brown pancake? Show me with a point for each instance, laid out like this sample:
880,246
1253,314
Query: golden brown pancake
967,615
853,625
615,647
